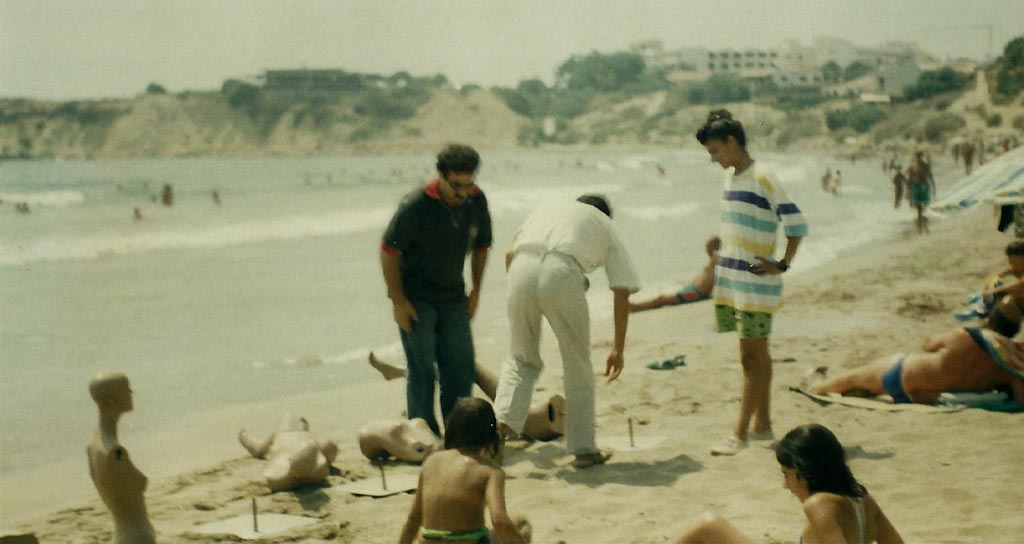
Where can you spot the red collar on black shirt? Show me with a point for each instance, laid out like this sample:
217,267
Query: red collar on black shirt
433,189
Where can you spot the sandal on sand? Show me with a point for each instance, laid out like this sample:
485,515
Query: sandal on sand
668,364
588,460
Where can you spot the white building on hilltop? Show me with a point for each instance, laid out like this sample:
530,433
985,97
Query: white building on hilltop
896,64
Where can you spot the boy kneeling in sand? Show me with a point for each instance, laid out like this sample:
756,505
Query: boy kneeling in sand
457,484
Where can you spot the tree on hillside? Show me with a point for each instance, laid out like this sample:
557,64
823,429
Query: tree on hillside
155,88
856,69
933,82
718,89
860,117
240,94
600,73
831,72
1010,68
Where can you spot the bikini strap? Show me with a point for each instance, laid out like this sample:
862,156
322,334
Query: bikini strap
858,508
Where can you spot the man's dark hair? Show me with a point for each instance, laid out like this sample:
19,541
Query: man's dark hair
719,126
472,425
598,201
1015,249
457,158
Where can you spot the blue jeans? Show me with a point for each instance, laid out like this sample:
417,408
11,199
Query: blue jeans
442,336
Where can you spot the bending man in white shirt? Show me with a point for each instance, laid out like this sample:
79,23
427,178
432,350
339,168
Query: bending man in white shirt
547,264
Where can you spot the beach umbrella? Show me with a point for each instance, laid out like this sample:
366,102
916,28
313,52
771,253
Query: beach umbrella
1000,180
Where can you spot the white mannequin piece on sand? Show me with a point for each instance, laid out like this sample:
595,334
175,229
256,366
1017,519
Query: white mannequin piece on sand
296,456
546,419
409,440
119,483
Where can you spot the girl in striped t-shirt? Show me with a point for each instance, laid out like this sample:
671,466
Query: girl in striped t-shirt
748,285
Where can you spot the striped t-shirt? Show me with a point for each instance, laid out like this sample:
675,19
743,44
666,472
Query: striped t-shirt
752,208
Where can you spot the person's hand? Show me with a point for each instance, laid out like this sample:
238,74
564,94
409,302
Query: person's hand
613,367
474,300
405,314
765,266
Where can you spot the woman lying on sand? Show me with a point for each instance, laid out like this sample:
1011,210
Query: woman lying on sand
964,359
838,508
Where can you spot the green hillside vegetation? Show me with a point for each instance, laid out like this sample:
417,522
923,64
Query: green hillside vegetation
597,99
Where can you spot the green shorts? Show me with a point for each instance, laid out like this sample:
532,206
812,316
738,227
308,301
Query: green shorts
751,324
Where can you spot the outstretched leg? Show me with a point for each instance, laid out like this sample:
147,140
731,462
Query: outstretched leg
389,371
867,377
654,303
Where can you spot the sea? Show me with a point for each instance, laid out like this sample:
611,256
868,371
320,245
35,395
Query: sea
263,281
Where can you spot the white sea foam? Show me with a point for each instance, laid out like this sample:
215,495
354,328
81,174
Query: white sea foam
506,200
53,199
391,352
653,213
60,247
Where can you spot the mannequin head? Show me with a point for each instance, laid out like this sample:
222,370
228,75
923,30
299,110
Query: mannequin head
112,392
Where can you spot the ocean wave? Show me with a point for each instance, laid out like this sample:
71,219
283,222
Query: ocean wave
391,353
503,200
53,199
653,213
56,248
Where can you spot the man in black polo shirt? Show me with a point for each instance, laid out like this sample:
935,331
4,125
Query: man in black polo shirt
423,255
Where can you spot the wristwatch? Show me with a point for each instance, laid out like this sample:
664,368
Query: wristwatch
782,265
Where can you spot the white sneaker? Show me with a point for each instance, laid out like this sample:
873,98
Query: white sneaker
763,435
732,446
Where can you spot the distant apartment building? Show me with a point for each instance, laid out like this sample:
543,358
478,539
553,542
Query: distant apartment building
784,67
677,65
894,64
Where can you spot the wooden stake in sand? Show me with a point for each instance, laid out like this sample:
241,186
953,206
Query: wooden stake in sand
631,443
255,524
383,480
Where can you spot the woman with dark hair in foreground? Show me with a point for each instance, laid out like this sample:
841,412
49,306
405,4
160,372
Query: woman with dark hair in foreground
838,508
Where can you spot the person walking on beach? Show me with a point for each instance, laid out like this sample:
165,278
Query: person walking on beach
748,285
899,180
967,152
838,508
921,186
551,254
422,256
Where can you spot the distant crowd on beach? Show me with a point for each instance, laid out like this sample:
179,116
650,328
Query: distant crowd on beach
423,254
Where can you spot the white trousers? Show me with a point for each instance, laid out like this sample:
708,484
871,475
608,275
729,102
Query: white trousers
551,285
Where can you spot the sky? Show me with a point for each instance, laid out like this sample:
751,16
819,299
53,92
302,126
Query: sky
87,49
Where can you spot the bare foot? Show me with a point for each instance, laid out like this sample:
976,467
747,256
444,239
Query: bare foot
813,378
390,372
523,526
588,460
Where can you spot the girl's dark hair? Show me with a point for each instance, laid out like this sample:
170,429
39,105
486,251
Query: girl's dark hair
598,201
719,126
817,456
1015,249
472,425
457,158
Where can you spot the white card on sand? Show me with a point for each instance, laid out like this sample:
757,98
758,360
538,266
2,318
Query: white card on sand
241,526
373,487
640,443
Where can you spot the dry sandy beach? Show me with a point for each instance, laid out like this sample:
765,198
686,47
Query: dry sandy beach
940,477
